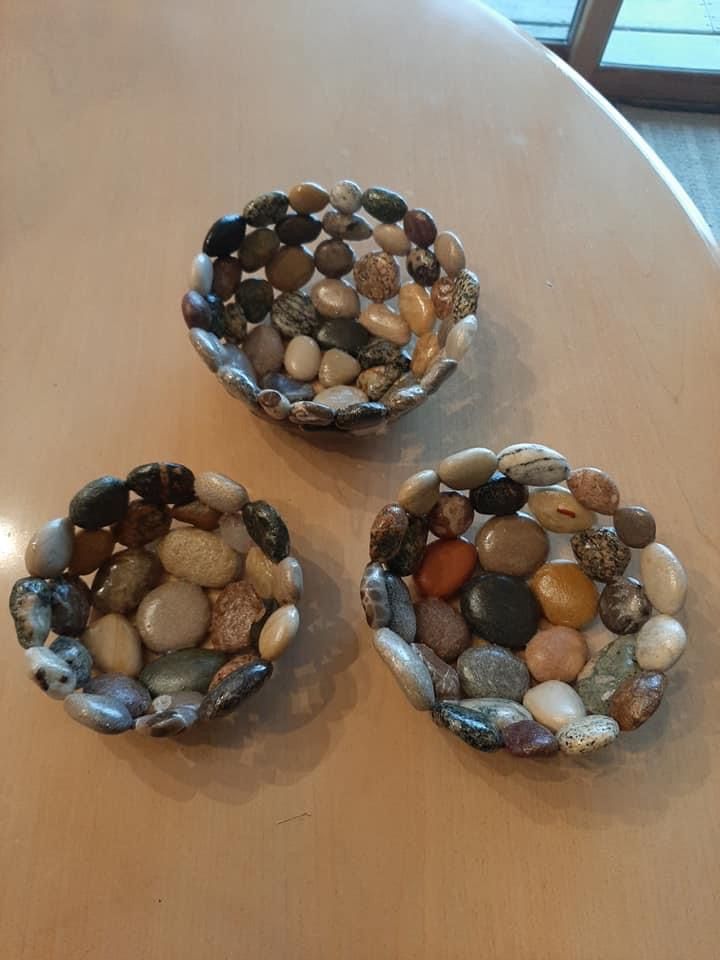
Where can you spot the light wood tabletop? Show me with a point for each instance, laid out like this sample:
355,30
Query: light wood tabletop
330,820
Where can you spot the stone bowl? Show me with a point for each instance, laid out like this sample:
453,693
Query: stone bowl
170,597
540,613
303,347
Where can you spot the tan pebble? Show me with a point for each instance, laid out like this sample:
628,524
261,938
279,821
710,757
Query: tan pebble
50,548
302,358
384,322
197,514
467,469
335,298
308,197
420,492
220,492
594,489
566,595
416,308
198,556
91,548
338,367
114,645
341,396
637,698
515,545
264,349
558,653
392,239
426,349
173,616
236,611
259,572
287,581
441,295
450,252
278,632
377,276
235,663
290,268
558,510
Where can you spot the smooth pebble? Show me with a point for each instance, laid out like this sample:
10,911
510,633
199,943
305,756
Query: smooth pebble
198,556
664,578
554,704
498,710
594,489
50,548
587,735
468,468
419,493
302,358
278,632
287,581
50,672
201,274
471,726
173,616
407,667
114,645
102,714
533,464
492,672
661,641
449,251
220,493
460,338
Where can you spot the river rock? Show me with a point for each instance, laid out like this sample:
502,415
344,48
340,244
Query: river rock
131,693
467,469
287,581
500,609
124,579
661,641
227,273
302,358
183,698
388,531
408,558
351,227
337,367
201,274
236,687
220,492
346,196
441,628
197,514
533,464
556,653
309,415
143,523
91,548
554,704
70,604
267,528
293,314
499,496
264,349
637,698
600,553
392,239
449,251
266,208
446,682
224,236
527,738
402,613
198,556
257,249
407,666
173,616
255,297
259,572
298,228
334,258
441,295
99,503
102,714
31,610
182,670
587,735
492,672
604,674
294,390
420,492
423,266
114,645
472,727
278,632
594,489
383,204
168,723
50,672
664,578
382,321
445,566
624,606
635,526
76,655
567,596
374,596
50,548
460,338
162,482
335,299
466,291
420,227
416,308
514,545
451,516
500,712
234,614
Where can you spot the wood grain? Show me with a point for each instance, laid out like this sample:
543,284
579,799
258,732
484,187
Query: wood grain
330,820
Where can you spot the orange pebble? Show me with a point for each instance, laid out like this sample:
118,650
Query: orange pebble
567,596
445,567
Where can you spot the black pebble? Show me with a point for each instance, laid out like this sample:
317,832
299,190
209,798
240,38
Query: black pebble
412,548
500,609
298,229
360,416
162,482
343,334
470,725
267,528
500,496
99,503
70,601
225,236
233,689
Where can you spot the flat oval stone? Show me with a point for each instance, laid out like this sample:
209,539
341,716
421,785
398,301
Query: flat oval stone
197,556
445,567
636,699
460,338
267,528
416,308
265,349
392,239
527,738
605,672
50,548
259,572
338,397
499,711
99,503
420,227
266,209
441,295
337,367
287,581
423,266
236,611
143,523
224,236
499,496
387,532
402,613
227,274
237,662
402,400
196,312
91,548
302,358
427,348
70,605
124,579
50,672
308,197
182,670
533,464
313,416
342,334
257,249
558,510
451,516
31,610
76,655
102,714
162,482
293,314
290,268
335,299
661,641
209,348
419,493
361,418
567,596
201,274
346,196
466,291
600,553
173,616
278,632
334,258
492,672
450,252
467,469
381,321
255,297
446,682
220,492
131,693
554,704
407,667
515,545
383,204
441,628
664,578
407,559
376,381
635,526
472,727
556,653
624,606
294,390
587,735
197,514
377,276
114,645
500,609
297,229
374,596
341,226
227,695
594,489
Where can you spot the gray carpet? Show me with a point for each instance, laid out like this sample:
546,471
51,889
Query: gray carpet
689,143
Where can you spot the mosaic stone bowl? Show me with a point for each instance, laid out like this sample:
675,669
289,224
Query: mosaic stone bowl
322,319
520,625
158,601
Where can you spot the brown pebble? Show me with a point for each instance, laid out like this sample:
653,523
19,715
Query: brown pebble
387,532
423,267
334,258
526,738
290,268
441,295
637,698
227,273
91,548
427,347
594,489
308,197
446,681
235,612
235,663
451,516
143,523
441,628
635,526
258,248
377,276
420,227
600,553
515,545
558,653
197,514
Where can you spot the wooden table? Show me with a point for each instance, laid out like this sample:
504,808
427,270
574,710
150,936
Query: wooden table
331,820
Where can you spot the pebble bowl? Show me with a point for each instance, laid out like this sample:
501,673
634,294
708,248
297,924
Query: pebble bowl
520,626
158,601
321,319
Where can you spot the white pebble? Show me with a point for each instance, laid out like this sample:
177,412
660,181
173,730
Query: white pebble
220,492
302,358
346,196
587,734
460,338
663,577
554,704
533,464
407,666
234,533
50,672
660,643
201,274
341,396
278,632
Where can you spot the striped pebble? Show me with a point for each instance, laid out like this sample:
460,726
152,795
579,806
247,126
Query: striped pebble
587,735
533,464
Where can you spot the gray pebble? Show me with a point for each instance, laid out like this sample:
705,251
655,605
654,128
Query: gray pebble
167,723
294,315
440,371
99,713
294,390
31,610
76,655
134,696
492,672
402,611
374,596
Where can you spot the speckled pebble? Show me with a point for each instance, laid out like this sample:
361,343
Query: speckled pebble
637,698
383,204
197,556
407,667
31,610
600,553
466,291
407,560
605,672
587,735
492,672
346,196
594,489
527,738
143,523
501,712
470,726
76,655
267,528
387,532
446,682
451,516
50,672
374,596
441,297
234,614
624,606
220,492
377,276
134,695
266,208
342,226
255,297
423,266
